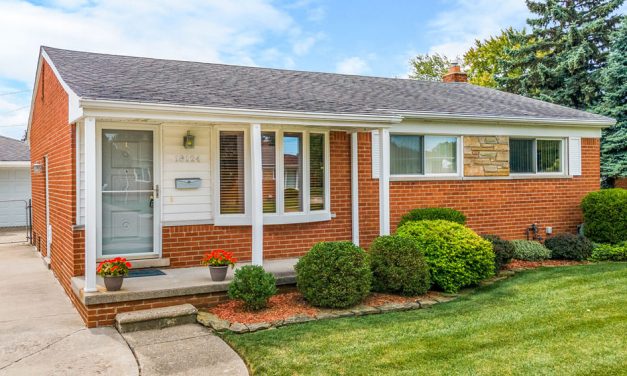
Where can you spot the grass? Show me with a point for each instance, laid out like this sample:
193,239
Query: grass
550,321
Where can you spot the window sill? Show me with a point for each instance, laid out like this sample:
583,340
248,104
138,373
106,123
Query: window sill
540,176
424,177
275,219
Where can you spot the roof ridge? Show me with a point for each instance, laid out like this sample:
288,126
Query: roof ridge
247,66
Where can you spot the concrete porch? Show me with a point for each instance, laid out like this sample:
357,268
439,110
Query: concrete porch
178,282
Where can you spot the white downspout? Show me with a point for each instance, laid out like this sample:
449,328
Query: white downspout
355,186
91,217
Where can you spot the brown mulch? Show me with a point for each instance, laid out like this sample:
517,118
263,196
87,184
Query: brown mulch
279,307
522,264
378,299
282,306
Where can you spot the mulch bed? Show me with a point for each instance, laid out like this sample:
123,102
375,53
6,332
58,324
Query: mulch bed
292,303
282,306
521,264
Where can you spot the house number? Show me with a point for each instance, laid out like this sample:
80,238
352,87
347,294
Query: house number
187,158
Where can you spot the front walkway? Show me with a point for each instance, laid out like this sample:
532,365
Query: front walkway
42,334
40,331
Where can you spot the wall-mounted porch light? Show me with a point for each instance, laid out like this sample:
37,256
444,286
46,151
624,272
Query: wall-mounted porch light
38,167
188,141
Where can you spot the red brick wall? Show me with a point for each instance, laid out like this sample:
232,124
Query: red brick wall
620,183
51,135
505,207
185,245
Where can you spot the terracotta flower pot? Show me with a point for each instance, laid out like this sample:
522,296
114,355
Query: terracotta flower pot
218,273
113,283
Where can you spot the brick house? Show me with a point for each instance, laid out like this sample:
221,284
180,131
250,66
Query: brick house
160,161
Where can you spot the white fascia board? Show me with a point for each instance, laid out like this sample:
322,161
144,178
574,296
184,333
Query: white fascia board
74,110
15,164
491,129
169,112
504,120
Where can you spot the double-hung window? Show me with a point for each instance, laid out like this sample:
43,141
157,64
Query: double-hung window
536,156
423,155
295,178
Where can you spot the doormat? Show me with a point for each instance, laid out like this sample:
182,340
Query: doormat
144,273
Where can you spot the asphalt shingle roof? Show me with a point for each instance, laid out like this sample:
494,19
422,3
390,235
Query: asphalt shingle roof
13,150
147,80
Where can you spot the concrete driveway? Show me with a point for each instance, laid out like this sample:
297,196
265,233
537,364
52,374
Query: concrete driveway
40,331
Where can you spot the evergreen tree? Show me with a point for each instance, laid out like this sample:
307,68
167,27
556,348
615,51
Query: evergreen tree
560,59
614,104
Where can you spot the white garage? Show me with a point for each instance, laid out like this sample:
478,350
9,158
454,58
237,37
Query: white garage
15,187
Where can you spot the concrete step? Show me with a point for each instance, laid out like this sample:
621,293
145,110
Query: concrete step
155,318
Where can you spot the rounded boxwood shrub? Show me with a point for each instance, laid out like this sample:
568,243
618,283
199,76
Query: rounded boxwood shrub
569,247
610,252
503,251
530,250
253,285
605,215
423,214
334,275
456,255
398,265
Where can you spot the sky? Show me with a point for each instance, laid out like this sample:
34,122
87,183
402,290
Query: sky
375,38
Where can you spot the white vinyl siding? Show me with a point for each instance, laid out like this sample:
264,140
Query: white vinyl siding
178,162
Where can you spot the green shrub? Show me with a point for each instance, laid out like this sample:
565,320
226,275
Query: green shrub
456,255
610,252
605,215
423,214
334,275
569,247
503,251
530,250
253,285
398,265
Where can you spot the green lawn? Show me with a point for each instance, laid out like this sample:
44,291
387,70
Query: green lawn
550,321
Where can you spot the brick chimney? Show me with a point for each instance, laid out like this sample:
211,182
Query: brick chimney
455,74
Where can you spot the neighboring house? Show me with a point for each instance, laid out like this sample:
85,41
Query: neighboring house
14,182
281,160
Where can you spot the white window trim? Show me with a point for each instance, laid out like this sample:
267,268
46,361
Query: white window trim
446,176
563,158
280,217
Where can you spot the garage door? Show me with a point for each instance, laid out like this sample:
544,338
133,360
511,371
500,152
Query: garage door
14,185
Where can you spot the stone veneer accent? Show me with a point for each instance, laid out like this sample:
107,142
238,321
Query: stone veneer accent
486,156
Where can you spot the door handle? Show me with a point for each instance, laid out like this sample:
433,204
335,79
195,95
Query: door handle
151,202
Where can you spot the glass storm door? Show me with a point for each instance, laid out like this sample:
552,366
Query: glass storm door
128,193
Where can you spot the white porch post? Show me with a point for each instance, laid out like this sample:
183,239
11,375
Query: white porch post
91,218
384,182
256,194
355,187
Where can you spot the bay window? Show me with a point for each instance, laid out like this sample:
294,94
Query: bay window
531,156
295,176
423,155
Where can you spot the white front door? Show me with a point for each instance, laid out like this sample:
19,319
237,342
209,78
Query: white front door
129,193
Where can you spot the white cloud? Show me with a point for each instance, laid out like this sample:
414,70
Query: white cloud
225,31
455,30
352,65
